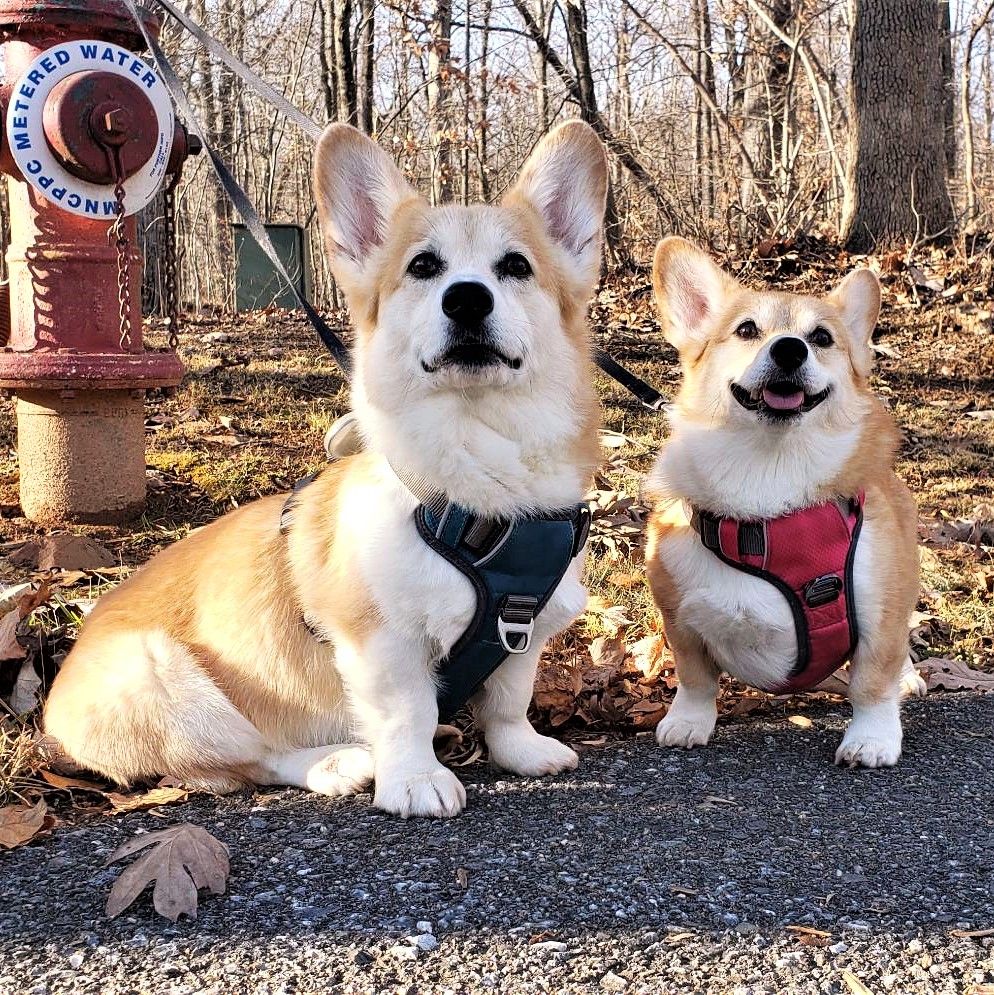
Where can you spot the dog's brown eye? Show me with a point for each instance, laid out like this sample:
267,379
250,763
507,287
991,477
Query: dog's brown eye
821,337
514,265
425,266
747,330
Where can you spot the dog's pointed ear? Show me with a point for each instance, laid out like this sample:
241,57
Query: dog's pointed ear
689,287
357,188
857,299
565,180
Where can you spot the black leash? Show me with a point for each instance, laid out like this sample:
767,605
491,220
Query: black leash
649,396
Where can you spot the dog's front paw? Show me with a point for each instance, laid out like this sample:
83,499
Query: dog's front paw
912,683
523,751
436,792
873,738
867,751
684,732
347,771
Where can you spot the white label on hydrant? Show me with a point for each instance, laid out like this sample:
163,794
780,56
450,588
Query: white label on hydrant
34,157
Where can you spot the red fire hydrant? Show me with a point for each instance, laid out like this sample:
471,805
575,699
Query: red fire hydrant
88,129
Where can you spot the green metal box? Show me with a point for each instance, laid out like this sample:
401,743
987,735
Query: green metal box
257,284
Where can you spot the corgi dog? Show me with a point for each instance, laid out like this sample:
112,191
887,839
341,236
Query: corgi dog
297,643
781,543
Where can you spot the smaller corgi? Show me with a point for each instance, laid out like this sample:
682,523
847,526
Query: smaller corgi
782,543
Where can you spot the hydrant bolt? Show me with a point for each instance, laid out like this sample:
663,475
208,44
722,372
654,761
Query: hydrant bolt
110,124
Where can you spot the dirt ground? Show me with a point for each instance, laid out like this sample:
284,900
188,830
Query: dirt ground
249,417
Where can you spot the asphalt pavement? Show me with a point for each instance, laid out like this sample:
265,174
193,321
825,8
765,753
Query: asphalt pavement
752,867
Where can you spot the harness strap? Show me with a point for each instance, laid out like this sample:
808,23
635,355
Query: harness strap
513,579
808,556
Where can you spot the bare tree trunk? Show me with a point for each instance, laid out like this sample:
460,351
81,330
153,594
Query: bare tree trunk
988,80
326,59
767,77
483,102
576,31
948,87
344,63
701,114
467,93
969,169
367,55
438,101
623,55
543,18
896,181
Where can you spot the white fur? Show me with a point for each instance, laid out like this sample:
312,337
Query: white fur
873,738
690,720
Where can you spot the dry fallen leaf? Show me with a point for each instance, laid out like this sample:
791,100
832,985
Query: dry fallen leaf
972,934
807,936
800,720
10,648
21,823
180,860
953,675
163,795
69,783
24,695
854,984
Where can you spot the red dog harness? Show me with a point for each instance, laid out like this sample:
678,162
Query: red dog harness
808,557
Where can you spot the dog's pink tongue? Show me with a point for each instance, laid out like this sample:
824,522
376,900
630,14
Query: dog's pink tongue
783,402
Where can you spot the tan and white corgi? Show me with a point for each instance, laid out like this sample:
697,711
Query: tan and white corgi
251,654
782,542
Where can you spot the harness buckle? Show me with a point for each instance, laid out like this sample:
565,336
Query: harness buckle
516,622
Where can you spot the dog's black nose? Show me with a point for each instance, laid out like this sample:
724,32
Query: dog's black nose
789,353
467,302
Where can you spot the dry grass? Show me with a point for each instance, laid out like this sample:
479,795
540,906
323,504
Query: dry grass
19,760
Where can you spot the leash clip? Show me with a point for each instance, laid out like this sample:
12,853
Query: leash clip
516,622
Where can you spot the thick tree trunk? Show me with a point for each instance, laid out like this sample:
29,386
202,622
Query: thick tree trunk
896,180
948,86
438,102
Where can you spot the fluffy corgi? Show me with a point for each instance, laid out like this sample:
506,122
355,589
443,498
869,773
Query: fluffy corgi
782,543
297,642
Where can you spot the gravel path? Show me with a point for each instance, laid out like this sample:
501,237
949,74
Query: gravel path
646,871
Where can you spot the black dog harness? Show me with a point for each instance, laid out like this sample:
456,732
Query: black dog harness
514,566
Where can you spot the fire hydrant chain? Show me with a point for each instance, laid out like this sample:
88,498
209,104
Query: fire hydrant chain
120,233
171,288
